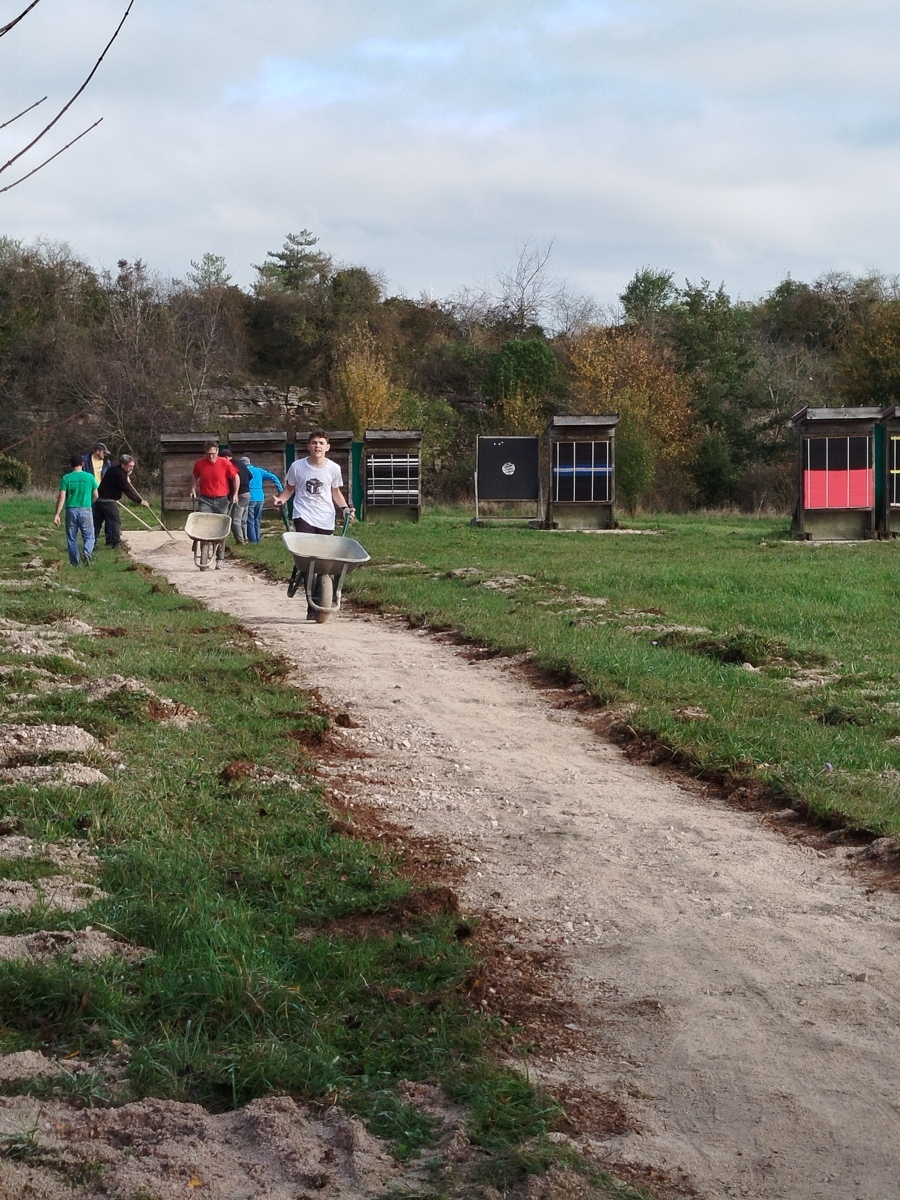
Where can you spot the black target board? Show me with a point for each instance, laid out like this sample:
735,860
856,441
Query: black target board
508,468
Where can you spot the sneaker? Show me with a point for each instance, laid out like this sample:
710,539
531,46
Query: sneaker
86,561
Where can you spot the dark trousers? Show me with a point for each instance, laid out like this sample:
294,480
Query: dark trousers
302,526
106,512
216,504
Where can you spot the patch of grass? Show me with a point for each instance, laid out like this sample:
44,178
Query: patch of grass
28,869
222,877
21,1146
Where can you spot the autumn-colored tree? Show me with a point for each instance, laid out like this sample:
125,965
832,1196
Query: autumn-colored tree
625,370
364,394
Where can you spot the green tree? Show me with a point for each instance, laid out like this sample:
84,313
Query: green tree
648,297
525,383
209,273
296,267
715,354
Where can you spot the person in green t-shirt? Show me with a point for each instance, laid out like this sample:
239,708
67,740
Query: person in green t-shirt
77,492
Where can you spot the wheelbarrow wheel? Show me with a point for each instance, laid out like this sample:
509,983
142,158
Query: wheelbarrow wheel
205,555
325,598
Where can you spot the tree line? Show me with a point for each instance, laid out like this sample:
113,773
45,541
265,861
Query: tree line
705,385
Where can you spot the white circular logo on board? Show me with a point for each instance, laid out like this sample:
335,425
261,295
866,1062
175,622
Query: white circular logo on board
508,468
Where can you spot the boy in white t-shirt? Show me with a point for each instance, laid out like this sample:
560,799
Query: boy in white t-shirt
315,482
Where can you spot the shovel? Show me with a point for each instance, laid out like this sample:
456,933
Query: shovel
132,513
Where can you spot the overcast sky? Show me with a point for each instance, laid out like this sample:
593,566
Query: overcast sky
733,140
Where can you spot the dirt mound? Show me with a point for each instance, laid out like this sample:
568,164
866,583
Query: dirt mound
21,742
274,1149
156,707
57,774
59,893
82,946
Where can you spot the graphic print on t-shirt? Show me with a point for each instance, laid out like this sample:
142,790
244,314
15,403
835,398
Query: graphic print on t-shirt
314,486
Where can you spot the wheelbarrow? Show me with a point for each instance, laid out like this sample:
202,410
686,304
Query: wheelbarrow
208,531
322,562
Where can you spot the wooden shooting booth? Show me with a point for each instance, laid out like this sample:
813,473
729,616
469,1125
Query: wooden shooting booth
887,472
391,465
836,474
582,493
266,450
179,452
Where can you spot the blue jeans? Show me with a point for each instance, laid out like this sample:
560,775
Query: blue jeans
79,520
254,520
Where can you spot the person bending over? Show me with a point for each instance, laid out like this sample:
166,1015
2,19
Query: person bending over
114,484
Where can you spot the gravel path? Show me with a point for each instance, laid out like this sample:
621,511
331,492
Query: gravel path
736,991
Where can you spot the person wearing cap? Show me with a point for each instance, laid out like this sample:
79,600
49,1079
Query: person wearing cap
258,475
96,461
114,484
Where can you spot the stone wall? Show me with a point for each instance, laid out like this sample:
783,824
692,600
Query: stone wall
259,406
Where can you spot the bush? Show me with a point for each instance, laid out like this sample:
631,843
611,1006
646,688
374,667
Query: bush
15,476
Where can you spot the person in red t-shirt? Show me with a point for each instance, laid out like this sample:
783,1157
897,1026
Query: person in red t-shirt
214,485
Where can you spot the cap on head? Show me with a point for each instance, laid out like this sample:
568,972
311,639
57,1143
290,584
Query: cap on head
246,460
101,446
226,453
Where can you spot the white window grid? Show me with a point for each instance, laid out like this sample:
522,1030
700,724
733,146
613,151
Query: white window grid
392,479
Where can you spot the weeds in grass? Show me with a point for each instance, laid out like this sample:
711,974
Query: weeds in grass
20,1146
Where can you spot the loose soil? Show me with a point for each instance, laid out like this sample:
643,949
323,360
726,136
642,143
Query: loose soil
714,995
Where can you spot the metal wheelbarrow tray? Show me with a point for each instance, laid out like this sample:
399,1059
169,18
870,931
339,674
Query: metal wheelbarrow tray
329,557
207,530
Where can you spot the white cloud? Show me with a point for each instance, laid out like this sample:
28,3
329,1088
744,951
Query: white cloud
723,141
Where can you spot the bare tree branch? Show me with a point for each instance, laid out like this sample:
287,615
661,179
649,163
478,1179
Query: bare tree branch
23,112
22,178
71,101
21,16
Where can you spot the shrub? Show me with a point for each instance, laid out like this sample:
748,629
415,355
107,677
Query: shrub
15,476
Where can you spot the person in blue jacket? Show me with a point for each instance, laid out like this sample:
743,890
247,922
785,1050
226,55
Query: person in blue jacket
257,497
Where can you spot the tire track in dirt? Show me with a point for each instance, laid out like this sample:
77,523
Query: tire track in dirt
736,993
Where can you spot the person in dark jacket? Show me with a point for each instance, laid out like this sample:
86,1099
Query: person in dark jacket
97,461
115,484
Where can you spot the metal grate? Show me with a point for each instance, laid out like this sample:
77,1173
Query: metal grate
392,479
582,472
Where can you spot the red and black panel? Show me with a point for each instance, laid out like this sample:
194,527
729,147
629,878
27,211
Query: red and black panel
838,472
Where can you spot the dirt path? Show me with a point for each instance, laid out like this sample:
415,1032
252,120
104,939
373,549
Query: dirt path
735,991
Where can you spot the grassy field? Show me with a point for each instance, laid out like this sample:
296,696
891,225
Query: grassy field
238,886
734,645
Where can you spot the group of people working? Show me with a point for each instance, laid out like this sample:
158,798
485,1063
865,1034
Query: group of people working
91,494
